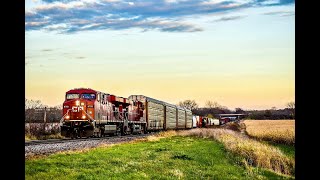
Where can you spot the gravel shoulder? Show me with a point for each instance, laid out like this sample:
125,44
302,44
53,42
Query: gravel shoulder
46,149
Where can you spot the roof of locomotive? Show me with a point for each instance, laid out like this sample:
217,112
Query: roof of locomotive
89,90
81,90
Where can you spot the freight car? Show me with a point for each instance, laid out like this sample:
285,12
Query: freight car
204,122
87,113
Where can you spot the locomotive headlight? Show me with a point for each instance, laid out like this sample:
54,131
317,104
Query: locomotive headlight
67,117
83,117
77,102
65,106
90,112
82,104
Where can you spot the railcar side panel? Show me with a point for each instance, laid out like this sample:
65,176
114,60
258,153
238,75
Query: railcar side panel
171,118
155,115
181,118
188,119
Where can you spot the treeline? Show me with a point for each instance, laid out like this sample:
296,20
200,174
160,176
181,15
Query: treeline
270,114
213,109
36,112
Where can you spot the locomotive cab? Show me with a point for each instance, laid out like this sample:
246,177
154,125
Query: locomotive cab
79,107
78,114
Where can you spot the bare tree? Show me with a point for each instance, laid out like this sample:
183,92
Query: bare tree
291,106
188,104
59,107
31,110
213,104
33,104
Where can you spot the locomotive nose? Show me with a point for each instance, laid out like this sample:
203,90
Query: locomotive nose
76,110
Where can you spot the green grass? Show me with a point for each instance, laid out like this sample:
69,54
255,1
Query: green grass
168,158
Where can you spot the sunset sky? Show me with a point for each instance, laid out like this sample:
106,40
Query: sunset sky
239,53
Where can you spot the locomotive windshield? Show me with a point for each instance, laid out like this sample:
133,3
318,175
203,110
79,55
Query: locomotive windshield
72,96
88,96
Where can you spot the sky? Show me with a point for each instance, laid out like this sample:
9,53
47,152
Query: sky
238,53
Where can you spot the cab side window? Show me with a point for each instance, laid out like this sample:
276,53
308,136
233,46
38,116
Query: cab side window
98,97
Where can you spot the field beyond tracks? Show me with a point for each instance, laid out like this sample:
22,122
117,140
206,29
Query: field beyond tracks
276,131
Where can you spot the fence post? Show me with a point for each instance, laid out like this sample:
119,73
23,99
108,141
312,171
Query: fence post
45,115
45,119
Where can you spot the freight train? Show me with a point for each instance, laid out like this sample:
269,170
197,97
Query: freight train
88,113
91,113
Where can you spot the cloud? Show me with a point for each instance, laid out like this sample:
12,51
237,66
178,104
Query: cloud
273,2
47,50
70,16
230,18
280,13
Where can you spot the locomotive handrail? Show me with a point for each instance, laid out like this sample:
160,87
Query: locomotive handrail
61,120
88,115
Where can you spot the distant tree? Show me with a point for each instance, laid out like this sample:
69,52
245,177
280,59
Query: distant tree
58,107
189,104
35,112
213,104
33,104
239,111
30,110
267,114
291,107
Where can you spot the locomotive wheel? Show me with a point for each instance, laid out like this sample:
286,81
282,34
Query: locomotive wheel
100,133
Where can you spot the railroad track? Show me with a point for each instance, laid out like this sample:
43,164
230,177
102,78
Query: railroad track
55,141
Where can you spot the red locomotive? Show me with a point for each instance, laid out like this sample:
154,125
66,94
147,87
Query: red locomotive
87,112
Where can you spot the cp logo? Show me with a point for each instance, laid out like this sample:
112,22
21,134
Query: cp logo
76,109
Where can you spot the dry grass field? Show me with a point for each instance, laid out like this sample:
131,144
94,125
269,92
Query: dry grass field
277,131
252,153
